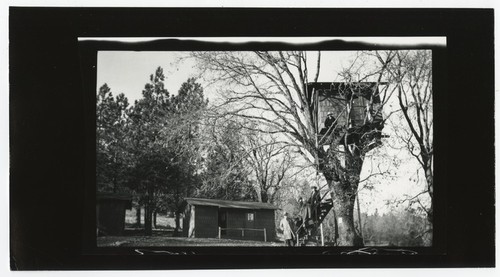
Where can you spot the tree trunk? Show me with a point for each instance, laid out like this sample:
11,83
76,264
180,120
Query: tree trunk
138,216
429,178
263,197
148,228
360,224
343,183
259,196
177,223
154,218
430,212
148,214
343,204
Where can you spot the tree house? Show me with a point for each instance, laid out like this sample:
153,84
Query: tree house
350,110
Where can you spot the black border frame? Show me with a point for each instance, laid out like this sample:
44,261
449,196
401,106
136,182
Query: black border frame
51,123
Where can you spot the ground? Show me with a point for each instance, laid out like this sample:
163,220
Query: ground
161,241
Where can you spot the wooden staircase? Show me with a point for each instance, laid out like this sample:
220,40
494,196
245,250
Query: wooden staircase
324,209
308,231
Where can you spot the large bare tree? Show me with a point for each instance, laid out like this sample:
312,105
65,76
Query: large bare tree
411,72
272,164
271,89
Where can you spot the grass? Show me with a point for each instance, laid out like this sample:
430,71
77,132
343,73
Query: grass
162,241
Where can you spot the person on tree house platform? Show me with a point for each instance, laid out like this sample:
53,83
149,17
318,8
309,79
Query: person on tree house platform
330,125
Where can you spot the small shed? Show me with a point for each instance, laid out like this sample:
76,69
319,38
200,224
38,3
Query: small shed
110,212
212,218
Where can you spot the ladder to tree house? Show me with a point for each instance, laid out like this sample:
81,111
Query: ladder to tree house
309,227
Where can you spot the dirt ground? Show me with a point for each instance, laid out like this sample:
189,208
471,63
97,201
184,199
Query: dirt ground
160,241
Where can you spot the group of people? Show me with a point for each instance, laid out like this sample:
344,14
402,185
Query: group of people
309,210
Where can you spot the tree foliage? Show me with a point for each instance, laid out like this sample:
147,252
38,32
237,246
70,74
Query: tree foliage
272,165
110,135
152,147
226,173
398,228
412,71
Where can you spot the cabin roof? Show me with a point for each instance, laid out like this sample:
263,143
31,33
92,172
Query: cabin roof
327,85
345,90
230,204
333,88
114,196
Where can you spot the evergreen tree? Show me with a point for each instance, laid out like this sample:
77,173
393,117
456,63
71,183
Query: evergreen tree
110,135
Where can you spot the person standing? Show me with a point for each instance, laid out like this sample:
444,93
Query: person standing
303,209
314,202
288,235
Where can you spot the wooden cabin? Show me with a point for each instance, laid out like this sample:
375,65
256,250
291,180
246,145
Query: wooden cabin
110,213
212,218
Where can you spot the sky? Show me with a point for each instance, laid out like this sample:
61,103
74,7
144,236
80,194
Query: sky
128,71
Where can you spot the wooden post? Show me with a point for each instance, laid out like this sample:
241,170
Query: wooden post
265,235
322,238
219,232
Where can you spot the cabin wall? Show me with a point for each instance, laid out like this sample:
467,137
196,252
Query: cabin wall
235,219
238,218
265,219
111,216
206,222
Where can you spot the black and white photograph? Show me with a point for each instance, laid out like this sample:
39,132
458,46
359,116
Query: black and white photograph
149,138
266,148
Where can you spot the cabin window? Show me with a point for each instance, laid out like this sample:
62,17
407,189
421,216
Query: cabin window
250,216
